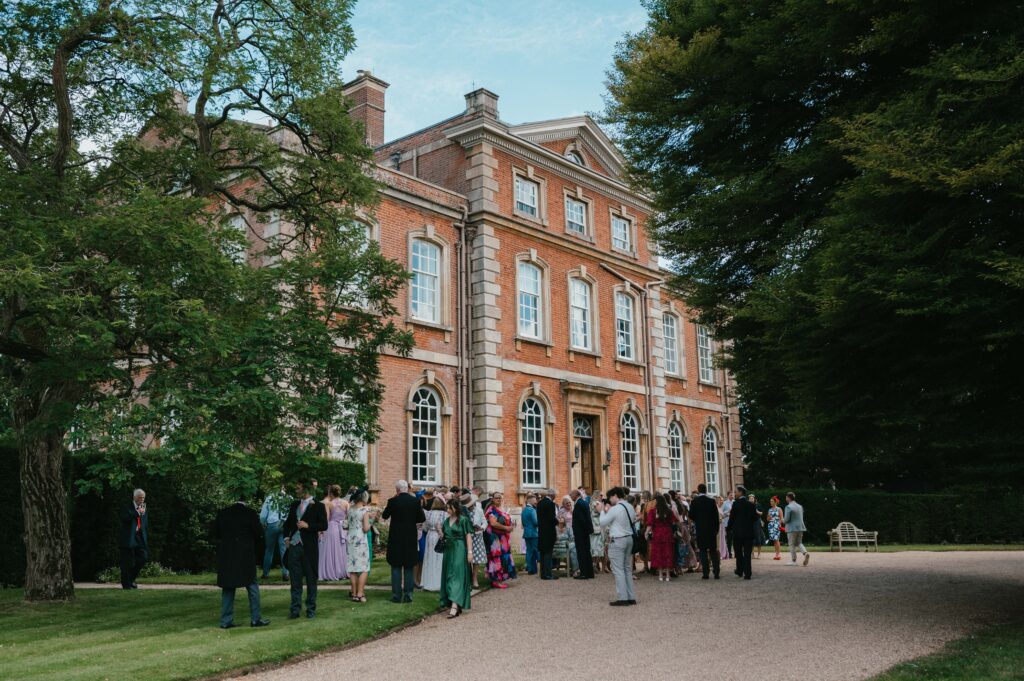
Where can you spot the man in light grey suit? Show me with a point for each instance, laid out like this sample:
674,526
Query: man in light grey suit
795,528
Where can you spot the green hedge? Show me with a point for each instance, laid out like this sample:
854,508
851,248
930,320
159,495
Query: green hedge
910,518
181,507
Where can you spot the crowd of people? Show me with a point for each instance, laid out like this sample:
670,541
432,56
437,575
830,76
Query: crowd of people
440,539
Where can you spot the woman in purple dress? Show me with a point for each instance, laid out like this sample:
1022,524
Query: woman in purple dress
333,542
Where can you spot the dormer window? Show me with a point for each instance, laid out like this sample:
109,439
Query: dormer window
575,157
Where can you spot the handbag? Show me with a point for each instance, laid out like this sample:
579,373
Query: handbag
632,526
442,541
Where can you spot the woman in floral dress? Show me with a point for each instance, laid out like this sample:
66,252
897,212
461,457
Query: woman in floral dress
775,526
500,557
358,563
597,537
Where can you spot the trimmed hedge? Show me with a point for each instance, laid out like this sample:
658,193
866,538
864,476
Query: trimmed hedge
909,518
181,506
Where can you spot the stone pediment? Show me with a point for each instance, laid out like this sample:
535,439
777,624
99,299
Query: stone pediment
584,132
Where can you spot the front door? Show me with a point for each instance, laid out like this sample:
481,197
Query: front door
583,440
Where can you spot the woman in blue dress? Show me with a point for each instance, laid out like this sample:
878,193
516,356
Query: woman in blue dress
775,526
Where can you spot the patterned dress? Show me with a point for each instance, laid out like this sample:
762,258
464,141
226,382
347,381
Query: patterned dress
499,563
597,536
358,546
479,525
774,523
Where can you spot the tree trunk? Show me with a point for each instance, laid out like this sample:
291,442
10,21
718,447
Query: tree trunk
44,506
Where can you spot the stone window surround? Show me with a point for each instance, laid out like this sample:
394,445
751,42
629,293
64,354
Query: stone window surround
637,331
595,313
427,233
444,435
588,213
575,147
717,462
632,407
714,350
529,174
622,213
670,309
535,392
676,420
532,258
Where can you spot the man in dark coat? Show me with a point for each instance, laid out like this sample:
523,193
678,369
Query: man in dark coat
307,518
704,513
133,538
405,512
582,528
238,533
741,521
547,529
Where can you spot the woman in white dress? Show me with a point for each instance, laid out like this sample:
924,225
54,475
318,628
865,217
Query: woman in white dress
432,560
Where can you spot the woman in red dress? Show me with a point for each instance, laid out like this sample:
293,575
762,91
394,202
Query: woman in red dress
661,537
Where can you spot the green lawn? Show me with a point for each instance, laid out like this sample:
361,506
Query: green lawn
994,653
894,548
158,635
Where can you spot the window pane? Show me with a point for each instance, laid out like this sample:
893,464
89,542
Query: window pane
622,234
579,313
425,281
630,452
671,344
711,461
624,326
529,300
675,457
704,355
575,216
526,196
426,427
531,443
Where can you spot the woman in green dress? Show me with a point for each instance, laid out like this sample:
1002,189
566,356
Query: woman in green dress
456,570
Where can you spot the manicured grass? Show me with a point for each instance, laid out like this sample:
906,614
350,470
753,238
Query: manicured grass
895,548
380,575
994,653
162,635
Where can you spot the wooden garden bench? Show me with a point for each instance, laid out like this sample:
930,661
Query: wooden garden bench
851,534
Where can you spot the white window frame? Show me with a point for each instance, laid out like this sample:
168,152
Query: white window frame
710,449
585,316
625,328
575,204
442,311
426,447
530,300
676,472
628,246
705,355
238,254
673,365
629,450
532,443
521,195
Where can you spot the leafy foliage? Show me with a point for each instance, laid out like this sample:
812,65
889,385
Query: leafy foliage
839,188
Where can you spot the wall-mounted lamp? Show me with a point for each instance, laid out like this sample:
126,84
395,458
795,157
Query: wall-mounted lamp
575,456
607,458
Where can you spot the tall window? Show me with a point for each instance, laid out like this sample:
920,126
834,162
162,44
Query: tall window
531,442
625,341
426,264
531,321
238,251
675,457
704,355
670,328
579,314
622,234
630,452
426,436
526,196
711,460
575,216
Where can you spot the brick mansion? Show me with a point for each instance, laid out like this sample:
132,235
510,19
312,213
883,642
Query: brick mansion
547,351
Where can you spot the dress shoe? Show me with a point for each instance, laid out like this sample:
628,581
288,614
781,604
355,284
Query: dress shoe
395,599
293,615
310,614
260,623
581,577
704,577
549,579
407,599
747,577
718,576
134,585
631,602
228,626
619,603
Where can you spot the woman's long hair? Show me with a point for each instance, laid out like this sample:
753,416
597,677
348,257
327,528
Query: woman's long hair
662,511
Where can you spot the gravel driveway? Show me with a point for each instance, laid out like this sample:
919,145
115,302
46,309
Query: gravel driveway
846,616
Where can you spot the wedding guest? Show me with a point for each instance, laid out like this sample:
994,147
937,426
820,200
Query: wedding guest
457,562
431,579
660,528
357,560
758,526
775,526
723,520
547,526
405,513
726,534
599,537
272,515
334,542
582,531
307,518
741,524
795,528
237,531
706,519
479,523
499,564
529,518
619,517
133,539
425,497
565,542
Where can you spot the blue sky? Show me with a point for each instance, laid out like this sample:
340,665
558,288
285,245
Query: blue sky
545,59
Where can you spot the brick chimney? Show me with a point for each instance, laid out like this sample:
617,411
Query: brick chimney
366,94
482,102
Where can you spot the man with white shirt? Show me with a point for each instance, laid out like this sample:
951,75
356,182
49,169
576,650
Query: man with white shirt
133,539
307,518
795,528
620,520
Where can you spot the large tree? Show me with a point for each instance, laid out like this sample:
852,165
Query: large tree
143,145
840,188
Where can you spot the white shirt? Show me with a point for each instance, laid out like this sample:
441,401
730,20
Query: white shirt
618,520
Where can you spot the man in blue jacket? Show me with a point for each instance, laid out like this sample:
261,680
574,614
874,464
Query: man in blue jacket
529,517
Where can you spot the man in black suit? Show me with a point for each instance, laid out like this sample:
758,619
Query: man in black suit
547,529
704,512
307,518
405,512
133,539
582,528
741,522
238,533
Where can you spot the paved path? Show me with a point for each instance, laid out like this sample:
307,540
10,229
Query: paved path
851,615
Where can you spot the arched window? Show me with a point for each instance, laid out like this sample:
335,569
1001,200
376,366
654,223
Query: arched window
425,444
531,442
675,457
426,281
580,316
575,157
630,451
711,460
531,304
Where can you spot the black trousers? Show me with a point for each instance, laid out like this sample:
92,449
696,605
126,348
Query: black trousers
743,547
709,556
132,560
299,570
545,563
583,557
